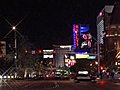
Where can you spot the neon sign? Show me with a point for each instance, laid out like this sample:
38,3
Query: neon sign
82,38
86,40
76,36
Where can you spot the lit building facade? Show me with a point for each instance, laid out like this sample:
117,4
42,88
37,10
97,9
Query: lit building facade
100,36
108,31
48,56
83,46
60,52
82,41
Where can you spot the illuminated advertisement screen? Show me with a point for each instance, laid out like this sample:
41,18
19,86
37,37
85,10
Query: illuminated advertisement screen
85,41
82,56
84,29
81,36
69,62
85,56
85,37
47,56
48,51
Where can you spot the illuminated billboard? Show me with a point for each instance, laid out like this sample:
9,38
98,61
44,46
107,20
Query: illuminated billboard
84,29
48,54
76,36
82,37
48,51
69,60
84,56
85,41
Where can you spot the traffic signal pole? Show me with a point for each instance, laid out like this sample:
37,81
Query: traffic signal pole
98,53
98,57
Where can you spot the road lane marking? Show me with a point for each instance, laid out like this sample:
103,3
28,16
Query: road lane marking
117,83
56,85
5,83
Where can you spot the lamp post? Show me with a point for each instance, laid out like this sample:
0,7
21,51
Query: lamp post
15,47
15,43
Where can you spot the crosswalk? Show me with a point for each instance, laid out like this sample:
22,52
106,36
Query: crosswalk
11,84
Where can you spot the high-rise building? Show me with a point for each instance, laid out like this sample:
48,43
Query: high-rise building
108,33
100,36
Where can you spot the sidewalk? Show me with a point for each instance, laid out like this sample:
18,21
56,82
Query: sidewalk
110,80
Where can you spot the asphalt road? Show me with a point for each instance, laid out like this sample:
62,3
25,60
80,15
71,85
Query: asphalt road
58,85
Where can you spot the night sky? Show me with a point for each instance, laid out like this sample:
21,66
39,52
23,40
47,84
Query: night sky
48,22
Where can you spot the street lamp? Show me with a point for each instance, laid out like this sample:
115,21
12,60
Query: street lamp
15,42
15,38
13,28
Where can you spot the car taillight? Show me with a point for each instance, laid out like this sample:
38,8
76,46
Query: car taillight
47,75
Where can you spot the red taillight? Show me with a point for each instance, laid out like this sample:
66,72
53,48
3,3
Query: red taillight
47,75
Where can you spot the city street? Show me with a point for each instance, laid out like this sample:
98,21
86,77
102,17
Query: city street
58,85
60,45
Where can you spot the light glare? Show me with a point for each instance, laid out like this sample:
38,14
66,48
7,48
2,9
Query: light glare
13,27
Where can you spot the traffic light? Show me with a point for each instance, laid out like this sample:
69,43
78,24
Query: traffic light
101,68
40,54
25,51
39,51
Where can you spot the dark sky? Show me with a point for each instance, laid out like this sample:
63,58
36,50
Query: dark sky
48,22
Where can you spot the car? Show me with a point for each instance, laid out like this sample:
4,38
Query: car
84,76
65,76
38,77
49,76
117,75
58,75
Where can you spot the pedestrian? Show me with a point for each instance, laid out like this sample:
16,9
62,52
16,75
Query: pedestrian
112,74
108,74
